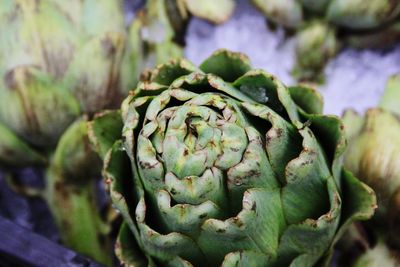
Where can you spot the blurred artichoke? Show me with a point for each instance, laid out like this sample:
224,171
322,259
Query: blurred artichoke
59,60
162,25
223,164
59,57
374,156
359,23
316,44
213,11
359,248
378,256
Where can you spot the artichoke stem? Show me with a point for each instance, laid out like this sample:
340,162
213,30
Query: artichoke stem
73,205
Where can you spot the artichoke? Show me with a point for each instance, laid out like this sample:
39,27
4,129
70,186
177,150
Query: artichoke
379,255
358,248
222,164
213,11
373,155
357,23
159,29
316,44
58,61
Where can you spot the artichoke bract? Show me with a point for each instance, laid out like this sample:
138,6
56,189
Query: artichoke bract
356,23
224,164
60,60
373,155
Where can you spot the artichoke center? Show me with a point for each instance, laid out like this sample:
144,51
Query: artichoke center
198,138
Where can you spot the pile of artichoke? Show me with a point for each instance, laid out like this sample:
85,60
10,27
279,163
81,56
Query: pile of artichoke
211,165
324,26
224,165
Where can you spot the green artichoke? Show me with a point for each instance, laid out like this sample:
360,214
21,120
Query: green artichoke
224,165
58,61
359,23
66,56
359,248
316,44
213,11
373,155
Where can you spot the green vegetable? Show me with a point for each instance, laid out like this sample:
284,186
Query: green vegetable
223,164
59,60
373,155
379,255
316,44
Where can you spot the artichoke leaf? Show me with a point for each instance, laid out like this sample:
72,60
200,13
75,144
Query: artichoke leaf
245,258
261,87
227,65
305,195
104,130
15,152
295,246
308,99
127,249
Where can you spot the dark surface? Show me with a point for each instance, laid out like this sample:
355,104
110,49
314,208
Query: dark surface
28,234
31,213
22,247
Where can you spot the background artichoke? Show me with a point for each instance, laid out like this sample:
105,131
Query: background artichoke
159,29
378,256
373,155
358,23
59,60
223,164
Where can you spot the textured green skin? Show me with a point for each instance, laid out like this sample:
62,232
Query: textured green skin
224,165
